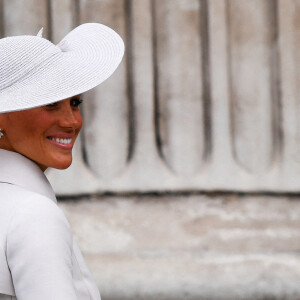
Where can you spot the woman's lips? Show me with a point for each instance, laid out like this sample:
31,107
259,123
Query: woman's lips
62,141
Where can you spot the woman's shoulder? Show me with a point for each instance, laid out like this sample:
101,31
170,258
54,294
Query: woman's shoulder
19,205
28,219
19,198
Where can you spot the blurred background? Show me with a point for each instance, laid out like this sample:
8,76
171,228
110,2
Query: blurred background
186,178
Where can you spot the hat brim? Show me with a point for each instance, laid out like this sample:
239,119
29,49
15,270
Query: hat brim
90,54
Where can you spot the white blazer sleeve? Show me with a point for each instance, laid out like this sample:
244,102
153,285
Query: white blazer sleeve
39,251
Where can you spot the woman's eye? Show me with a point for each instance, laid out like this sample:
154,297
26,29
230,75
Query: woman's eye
76,102
54,104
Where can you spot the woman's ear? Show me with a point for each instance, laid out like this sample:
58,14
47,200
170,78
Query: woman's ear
2,117
4,142
3,139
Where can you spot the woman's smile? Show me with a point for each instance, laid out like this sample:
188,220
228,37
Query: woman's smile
63,141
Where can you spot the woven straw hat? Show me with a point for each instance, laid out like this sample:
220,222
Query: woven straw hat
35,72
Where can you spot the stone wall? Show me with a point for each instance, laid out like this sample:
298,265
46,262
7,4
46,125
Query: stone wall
206,100
206,97
190,247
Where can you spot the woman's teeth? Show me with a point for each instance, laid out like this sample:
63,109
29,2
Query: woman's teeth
62,141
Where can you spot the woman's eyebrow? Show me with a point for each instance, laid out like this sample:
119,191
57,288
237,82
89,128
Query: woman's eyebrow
76,96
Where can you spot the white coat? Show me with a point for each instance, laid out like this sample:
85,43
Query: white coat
39,258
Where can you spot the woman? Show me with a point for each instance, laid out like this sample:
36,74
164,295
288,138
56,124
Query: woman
40,93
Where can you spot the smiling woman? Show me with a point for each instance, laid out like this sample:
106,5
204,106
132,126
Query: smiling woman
40,94
44,134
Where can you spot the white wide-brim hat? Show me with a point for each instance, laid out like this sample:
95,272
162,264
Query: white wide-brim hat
35,72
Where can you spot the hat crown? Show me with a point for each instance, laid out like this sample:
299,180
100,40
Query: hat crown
35,72
20,55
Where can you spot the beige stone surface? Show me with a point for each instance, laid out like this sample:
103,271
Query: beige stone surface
107,109
180,81
25,17
190,247
64,18
206,98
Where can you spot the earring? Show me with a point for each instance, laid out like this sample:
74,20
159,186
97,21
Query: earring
1,133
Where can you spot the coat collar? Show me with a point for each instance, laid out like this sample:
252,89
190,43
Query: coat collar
19,170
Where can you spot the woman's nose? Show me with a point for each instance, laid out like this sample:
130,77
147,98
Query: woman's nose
70,117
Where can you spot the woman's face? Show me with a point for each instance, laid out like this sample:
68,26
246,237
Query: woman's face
44,134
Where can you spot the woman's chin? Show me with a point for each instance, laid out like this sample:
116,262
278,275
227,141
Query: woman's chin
64,166
61,164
